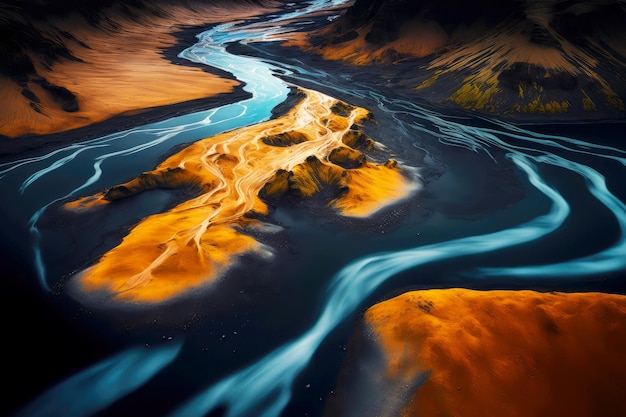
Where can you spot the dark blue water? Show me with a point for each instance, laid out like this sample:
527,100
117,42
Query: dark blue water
502,206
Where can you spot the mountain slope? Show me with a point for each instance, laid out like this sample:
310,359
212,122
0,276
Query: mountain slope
531,57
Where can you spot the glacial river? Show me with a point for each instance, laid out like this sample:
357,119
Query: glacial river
502,206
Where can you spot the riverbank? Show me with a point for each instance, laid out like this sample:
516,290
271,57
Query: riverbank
120,77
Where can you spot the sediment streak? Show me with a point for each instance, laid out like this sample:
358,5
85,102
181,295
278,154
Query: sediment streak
189,246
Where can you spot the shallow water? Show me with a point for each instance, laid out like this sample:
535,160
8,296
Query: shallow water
538,207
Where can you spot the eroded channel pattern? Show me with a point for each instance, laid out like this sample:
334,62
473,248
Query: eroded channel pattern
316,151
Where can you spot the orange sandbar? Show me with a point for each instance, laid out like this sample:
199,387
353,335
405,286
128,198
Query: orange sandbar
188,247
506,353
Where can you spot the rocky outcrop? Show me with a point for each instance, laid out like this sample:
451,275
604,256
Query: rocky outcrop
168,178
486,353
311,179
314,180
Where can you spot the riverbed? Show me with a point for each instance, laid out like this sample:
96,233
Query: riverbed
501,206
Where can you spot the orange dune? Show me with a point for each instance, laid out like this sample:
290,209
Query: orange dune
120,68
188,247
505,353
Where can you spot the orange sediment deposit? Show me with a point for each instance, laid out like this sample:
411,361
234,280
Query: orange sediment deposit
505,353
191,245
417,39
117,68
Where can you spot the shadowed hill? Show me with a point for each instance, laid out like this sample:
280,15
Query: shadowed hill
513,58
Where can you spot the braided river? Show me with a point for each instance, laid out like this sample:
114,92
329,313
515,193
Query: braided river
496,205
